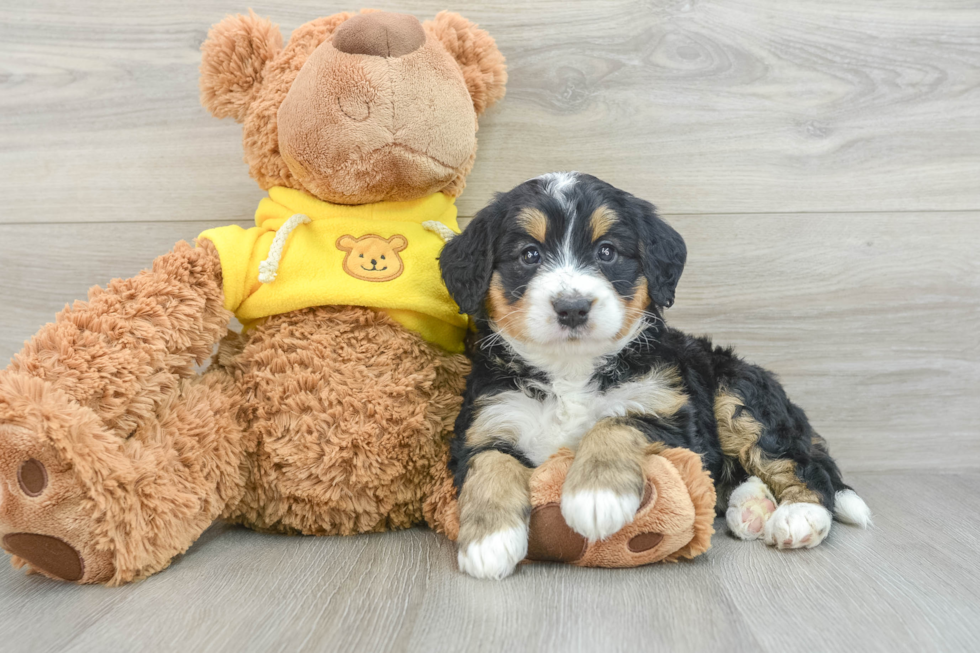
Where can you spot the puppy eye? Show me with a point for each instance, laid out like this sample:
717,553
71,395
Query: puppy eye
606,253
530,256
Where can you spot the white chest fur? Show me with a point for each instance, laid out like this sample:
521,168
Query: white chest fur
570,407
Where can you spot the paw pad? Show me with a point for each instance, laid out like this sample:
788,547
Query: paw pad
550,539
32,477
53,556
755,512
644,542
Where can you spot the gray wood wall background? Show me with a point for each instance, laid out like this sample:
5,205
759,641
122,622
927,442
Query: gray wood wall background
821,157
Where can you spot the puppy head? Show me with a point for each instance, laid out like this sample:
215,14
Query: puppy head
565,262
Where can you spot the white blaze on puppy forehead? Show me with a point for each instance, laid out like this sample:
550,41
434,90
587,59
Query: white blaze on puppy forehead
557,184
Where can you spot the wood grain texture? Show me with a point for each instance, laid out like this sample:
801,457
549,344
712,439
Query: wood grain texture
871,321
908,584
704,106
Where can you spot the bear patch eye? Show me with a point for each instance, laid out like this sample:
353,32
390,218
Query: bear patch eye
382,257
530,256
360,255
606,253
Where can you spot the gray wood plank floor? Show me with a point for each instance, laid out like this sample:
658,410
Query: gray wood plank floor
909,584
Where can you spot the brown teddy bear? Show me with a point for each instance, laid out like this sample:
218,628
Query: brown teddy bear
331,413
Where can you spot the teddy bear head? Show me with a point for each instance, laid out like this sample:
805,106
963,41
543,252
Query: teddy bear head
356,108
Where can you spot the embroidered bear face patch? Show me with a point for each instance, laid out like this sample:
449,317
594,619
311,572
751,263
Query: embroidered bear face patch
373,258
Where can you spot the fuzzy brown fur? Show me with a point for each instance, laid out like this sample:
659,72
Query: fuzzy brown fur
329,420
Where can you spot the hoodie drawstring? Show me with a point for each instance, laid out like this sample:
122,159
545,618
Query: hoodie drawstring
269,268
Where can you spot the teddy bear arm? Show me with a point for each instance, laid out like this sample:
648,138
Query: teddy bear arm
135,338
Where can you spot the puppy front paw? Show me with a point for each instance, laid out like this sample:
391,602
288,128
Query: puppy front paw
496,555
597,514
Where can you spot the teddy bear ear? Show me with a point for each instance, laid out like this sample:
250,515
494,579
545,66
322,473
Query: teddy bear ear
233,59
483,65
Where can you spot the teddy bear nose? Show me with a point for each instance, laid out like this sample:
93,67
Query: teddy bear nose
380,34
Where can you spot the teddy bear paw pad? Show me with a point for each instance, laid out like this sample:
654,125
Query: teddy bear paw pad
47,554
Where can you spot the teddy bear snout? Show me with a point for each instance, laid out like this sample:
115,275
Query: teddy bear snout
380,34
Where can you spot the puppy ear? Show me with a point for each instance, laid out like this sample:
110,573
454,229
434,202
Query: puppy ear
663,254
477,55
467,262
233,59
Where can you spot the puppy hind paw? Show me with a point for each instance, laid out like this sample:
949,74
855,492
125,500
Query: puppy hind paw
749,509
797,526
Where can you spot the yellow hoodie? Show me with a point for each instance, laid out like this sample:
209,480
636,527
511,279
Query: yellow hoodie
375,255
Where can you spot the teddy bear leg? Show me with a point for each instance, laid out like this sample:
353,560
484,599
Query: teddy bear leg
109,452
81,504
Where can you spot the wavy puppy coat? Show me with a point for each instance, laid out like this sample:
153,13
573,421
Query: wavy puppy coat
567,278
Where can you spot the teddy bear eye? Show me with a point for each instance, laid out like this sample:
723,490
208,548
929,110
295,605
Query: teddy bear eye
360,256
382,257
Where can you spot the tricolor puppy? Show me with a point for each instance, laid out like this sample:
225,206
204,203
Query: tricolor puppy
567,278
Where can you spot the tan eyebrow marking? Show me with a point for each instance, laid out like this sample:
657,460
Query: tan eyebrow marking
534,222
601,221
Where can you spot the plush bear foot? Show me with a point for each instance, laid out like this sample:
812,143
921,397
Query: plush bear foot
674,519
43,521
749,508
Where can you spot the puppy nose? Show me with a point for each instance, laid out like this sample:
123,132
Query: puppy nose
572,311
380,34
